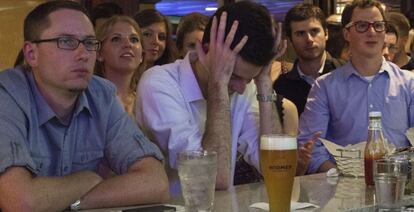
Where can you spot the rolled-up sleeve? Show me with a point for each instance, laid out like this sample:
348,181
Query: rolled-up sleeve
125,142
13,132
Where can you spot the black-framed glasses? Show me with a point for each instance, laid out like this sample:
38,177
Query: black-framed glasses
363,26
392,48
71,43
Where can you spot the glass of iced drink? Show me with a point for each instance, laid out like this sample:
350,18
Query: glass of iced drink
197,171
390,177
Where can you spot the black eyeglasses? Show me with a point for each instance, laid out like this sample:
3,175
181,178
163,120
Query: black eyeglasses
363,26
70,43
392,48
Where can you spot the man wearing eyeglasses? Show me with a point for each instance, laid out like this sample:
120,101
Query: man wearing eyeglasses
339,102
60,125
390,43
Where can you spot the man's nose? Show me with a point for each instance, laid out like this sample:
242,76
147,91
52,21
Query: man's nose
309,37
82,53
386,52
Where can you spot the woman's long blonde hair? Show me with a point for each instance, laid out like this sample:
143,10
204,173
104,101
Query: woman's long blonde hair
102,33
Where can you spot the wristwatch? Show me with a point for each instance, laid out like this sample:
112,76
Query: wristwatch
76,205
266,98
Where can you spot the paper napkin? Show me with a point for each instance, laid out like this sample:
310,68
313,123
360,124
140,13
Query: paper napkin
293,206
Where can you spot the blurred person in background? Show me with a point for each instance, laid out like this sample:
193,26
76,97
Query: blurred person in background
336,45
190,30
103,11
120,58
158,44
403,27
390,43
410,65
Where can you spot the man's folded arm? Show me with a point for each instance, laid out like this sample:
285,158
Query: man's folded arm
144,183
21,191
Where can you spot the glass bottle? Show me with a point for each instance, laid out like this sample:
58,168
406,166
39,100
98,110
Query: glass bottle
375,148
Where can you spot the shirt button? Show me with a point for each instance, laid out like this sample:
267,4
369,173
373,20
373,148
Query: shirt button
370,85
371,106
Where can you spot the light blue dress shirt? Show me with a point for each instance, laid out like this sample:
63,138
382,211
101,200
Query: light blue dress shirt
339,102
99,131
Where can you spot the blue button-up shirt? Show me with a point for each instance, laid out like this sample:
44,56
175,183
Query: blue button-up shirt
99,131
339,102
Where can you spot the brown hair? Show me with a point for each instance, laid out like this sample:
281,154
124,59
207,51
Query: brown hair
151,16
189,23
302,12
363,4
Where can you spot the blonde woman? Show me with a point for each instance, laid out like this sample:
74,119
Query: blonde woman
120,57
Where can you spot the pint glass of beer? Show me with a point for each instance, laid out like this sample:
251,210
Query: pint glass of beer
278,165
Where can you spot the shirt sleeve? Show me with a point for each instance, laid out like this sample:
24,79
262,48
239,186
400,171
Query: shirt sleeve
125,141
165,113
411,103
13,133
315,118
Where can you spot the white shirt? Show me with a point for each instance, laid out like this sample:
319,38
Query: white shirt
171,108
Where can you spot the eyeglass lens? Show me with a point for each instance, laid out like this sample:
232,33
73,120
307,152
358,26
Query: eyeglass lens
73,43
362,26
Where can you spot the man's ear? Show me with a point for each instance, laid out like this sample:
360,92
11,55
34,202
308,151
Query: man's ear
326,34
346,34
30,53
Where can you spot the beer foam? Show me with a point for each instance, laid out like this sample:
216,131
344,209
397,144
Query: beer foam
278,142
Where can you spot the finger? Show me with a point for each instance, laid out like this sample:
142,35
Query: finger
305,151
213,33
282,49
200,51
278,33
240,45
230,35
309,145
221,28
317,135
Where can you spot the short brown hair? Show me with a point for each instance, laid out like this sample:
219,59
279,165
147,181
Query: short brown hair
38,19
302,12
401,23
363,4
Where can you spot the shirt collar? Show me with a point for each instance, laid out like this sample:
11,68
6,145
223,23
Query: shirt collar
310,80
350,70
191,88
45,112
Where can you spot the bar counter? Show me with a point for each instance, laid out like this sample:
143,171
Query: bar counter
330,194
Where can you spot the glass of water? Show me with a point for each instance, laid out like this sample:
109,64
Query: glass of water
390,176
197,171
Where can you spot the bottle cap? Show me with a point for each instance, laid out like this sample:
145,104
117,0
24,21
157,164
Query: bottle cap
375,114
